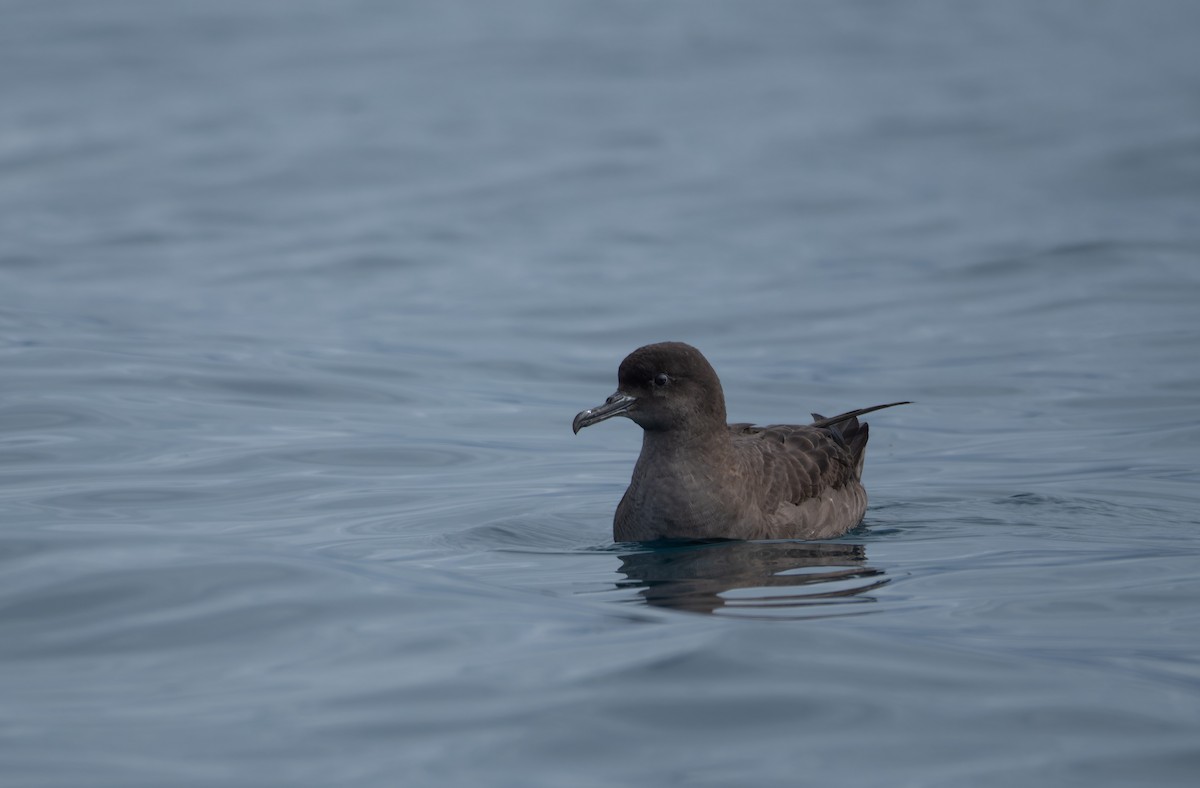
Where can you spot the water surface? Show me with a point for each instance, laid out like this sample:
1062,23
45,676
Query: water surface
296,307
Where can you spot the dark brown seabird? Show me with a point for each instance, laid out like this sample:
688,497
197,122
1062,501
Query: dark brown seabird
700,478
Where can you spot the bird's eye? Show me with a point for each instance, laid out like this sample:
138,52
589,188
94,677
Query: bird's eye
661,379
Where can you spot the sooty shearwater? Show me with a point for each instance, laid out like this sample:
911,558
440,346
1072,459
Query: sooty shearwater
700,478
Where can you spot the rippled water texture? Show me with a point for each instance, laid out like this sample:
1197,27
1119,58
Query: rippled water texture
297,302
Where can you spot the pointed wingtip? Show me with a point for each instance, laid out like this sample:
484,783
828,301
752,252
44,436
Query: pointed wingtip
819,421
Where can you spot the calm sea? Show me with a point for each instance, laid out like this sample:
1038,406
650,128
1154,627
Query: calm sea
298,299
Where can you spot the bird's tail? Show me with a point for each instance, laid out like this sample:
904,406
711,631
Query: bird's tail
853,432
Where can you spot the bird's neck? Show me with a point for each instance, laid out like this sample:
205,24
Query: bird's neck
710,442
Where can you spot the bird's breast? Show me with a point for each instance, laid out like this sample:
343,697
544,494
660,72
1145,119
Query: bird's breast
684,499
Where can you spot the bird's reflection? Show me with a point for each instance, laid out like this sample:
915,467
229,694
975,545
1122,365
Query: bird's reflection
755,579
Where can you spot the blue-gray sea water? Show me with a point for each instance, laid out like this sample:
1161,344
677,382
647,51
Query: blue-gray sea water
298,300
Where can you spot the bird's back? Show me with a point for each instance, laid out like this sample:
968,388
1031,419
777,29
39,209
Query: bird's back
808,476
